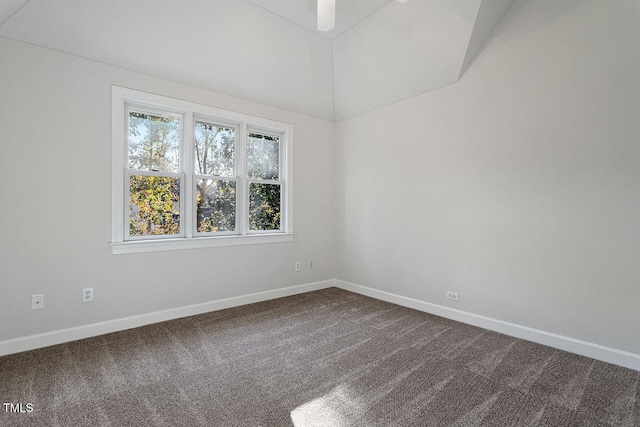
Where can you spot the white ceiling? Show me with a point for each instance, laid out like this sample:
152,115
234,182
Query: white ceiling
303,12
9,7
269,51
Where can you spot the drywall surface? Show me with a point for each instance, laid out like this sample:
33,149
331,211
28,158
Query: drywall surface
229,46
55,183
268,51
489,16
516,187
407,50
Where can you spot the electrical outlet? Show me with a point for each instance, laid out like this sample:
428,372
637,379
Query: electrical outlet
453,296
87,295
297,266
37,302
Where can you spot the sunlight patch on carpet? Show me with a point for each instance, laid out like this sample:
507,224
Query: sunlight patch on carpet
340,407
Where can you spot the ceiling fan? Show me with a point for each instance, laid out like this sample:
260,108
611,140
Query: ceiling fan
327,14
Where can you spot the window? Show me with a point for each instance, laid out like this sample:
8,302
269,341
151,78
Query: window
187,175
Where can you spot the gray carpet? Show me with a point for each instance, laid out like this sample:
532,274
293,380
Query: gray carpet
324,358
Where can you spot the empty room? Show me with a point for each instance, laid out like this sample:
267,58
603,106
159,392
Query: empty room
319,212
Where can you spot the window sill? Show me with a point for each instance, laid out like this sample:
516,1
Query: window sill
158,245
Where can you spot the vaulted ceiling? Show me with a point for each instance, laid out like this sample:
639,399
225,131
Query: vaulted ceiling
349,13
269,51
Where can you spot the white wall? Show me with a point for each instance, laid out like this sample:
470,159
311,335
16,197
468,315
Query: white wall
517,187
230,46
401,51
55,182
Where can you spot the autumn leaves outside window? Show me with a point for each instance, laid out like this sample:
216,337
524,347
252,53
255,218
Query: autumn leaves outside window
208,178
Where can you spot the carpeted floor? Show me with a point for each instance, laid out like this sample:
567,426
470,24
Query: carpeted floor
324,358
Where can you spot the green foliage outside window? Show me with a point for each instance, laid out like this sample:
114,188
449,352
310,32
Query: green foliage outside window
264,206
263,163
154,149
154,205
216,206
154,142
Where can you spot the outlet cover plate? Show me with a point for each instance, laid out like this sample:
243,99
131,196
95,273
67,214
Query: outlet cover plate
453,296
37,302
87,295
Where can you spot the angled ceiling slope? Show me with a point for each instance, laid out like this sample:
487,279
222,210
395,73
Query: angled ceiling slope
269,51
408,49
349,13
9,7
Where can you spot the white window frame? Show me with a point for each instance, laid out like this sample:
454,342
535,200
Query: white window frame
249,181
129,172
189,238
238,172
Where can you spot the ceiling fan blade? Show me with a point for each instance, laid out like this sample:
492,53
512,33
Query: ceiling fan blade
326,15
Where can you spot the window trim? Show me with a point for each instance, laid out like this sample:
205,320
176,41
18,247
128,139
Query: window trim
122,99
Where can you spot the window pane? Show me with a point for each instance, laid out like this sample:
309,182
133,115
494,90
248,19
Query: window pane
264,206
154,142
154,205
263,156
214,150
216,205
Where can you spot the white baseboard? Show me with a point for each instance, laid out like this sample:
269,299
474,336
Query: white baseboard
46,339
584,348
595,351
